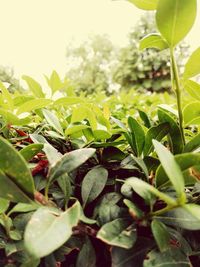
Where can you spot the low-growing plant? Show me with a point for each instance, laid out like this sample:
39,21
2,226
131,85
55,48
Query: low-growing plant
83,186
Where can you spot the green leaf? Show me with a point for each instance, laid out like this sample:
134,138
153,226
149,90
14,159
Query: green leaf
192,67
53,120
34,86
171,168
31,262
193,88
54,82
7,97
118,233
101,134
10,191
145,4
49,229
68,101
157,133
193,144
30,151
176,141
169,258
137,136
185,161
191,113
134,211
15,166
12,119
23,207
187,217
4,204
147,191
161,235
33,105
69,162
93,184
131,257
171,15
153,40
75,128
86,257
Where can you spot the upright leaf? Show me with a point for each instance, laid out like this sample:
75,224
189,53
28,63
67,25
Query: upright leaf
161,235
53,120
34,86
172,15
48,229
192,67
93,184
171,168
15,167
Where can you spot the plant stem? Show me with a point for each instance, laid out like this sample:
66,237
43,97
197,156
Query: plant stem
164,210
177,88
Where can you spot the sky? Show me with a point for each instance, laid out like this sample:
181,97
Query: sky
35,33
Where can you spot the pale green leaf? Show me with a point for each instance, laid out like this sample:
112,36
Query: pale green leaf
153,40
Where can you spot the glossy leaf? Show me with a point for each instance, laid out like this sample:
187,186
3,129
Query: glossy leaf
145,4
172,15
191,113
187,217
192,67
161,235
33,105
69,162
15,167
153,40
34,86
171,168
193,88
49,229
176,141
157,133
185,161
10,191
53,120
147,191
118,233
93,184
137,136
30,151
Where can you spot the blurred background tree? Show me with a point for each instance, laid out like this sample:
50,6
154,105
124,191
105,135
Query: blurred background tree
98,65
7,76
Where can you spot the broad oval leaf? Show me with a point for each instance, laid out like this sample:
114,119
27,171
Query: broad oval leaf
187,217
157,133
33,105
34,86
48,229
10,191
172,15
145,4
153,40
171,168
93,184
193,88
30,151
15,167
192,67
191,113
161,235
118,233
69,162
53,120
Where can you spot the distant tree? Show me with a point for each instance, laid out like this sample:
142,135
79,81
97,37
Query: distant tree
146,70
7,76
90,64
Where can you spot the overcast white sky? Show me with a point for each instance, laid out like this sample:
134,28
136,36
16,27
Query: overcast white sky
35,33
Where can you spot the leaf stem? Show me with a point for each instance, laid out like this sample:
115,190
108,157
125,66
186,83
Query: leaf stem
177,88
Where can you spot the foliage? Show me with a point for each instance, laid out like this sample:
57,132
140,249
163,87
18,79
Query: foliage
95,181
7,76
145,70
